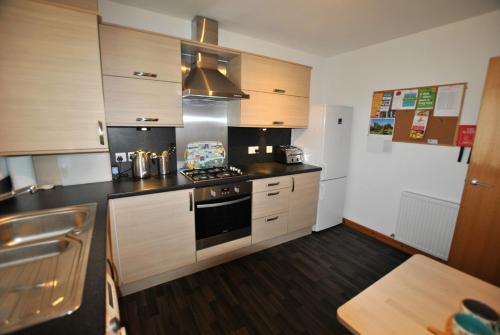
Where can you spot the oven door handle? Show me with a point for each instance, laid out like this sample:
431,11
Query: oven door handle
218,204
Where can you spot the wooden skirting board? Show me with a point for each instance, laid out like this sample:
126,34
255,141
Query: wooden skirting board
206,263
386,239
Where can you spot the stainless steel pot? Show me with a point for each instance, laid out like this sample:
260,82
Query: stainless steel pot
163,162
141,164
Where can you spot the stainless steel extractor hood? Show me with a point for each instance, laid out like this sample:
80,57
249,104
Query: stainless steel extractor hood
204,80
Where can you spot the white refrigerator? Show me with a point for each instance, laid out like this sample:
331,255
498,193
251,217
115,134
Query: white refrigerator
326,143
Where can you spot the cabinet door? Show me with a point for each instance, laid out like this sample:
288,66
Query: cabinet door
271,202
303,201
153,234
273,111
134,54
274,76
50,80
269,227
128,101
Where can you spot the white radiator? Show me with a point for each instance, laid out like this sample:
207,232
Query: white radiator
426,223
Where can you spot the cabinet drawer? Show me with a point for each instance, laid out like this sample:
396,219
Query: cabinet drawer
270,202
130,53
273,110
269,227
274,76
127,100
268,184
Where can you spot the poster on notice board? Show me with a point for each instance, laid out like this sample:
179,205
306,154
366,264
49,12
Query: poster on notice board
419,125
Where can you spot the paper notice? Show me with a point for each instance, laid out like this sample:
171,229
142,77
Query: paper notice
376,103
449,100
404,99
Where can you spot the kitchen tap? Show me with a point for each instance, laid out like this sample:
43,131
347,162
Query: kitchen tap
14,193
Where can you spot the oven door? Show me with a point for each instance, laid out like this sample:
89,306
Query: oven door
222,220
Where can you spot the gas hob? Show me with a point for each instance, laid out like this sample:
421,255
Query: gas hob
215,173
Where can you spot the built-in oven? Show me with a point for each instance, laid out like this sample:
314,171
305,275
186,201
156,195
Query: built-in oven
222,213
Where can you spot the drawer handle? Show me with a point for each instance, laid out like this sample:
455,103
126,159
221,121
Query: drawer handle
278,122
147,119
273,193
293,184
100,132
273,184
145,74
279,90
272,219
190,201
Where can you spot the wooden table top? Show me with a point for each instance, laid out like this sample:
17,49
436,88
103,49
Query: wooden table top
419,293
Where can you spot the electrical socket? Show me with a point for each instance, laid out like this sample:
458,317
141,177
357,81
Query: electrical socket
129,155
269,149
253,150
120,157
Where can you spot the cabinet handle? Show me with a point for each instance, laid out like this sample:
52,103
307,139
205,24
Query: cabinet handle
114,272
274,193
278,122
100,132
147,119
279,90
190,201
293,184
273,184
272,219
145,74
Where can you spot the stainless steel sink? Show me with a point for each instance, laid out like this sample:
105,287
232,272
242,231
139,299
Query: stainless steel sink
43,261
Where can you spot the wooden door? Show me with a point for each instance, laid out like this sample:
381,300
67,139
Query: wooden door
50,80
273,111
273,76
134,54
476,243
128,100
152,234
303,201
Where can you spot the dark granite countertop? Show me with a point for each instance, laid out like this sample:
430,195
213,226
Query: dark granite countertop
89,318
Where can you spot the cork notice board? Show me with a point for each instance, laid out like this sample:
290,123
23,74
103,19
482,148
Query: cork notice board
440,130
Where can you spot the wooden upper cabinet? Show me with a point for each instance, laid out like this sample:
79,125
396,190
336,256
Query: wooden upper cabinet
270,110
271,75
88,6
131,102
135,54
50,80
303,201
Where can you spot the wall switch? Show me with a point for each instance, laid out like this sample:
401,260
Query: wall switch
120,157
269,149
253,150
129,155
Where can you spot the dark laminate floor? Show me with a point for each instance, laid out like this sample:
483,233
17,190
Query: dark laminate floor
293,288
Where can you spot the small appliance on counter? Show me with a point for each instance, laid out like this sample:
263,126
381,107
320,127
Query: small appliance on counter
141,164
289,154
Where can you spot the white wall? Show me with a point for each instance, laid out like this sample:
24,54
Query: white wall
458,52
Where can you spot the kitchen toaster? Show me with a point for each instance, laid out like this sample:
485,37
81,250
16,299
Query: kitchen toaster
289,154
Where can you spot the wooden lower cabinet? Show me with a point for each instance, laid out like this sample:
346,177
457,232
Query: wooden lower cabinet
152,234
157,103
269,227
303,201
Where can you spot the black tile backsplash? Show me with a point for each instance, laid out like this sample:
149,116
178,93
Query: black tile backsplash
239,139
126,139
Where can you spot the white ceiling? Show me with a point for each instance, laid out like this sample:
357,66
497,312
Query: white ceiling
323,27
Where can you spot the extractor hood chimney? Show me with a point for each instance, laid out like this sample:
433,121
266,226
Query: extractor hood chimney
205,81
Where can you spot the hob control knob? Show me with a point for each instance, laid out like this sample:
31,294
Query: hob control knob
213,194
236,189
